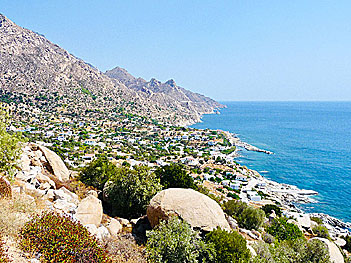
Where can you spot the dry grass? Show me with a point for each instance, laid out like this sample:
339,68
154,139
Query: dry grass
15,212
123,248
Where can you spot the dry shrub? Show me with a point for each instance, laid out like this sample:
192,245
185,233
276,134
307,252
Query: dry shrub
15,212
123,248
3,257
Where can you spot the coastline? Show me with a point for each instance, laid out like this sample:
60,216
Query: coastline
289,196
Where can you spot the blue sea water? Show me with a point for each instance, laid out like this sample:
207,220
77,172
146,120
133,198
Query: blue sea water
311,142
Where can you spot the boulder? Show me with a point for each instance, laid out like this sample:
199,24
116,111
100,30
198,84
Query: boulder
197,209
65,206
64,194
102,233
334,252
92,229
114,227
90,211
57,166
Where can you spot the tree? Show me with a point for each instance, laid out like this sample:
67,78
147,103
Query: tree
282,230
268,209
230,246
129,191
321,231
98,172
10,150
175,176
175,241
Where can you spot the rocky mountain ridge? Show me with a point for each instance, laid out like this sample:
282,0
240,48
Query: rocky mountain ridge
35,71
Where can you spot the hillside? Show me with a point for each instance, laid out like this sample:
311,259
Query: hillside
37,72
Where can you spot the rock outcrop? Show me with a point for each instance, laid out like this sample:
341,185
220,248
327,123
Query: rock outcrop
90,211
197,209
56,164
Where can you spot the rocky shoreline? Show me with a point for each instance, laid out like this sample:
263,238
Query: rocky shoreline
290,195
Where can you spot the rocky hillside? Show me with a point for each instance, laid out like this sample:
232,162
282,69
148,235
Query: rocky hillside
167,95
37,72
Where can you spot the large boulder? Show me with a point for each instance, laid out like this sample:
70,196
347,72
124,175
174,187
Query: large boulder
57,166
197,209
90,211
334,251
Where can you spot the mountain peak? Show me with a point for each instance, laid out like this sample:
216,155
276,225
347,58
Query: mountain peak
121,74
171,83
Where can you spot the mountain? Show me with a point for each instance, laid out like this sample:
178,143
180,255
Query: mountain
167,95
35,71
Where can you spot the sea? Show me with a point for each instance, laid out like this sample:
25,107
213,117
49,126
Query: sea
311,142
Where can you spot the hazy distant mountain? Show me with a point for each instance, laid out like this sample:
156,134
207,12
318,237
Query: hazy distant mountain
34,70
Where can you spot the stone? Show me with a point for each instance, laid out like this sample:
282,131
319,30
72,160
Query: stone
334,252
24,162
114,227
102,233
232,222
91,228
65,206
93,193
5,188
340,242
197,209
57,166
50,195
64,194
90,211
44,179
45,186
123,221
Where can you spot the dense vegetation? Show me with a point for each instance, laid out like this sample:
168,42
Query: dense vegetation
229,246
297,251
248,217
282,230
129,191
59,239
9,146
175,241
268,209
175,176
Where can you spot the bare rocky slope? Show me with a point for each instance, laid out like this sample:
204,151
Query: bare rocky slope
37,72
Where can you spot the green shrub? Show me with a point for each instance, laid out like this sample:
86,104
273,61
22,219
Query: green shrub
175,176
233,195
9,146
97,172
251,218
129,191
296,251
248,217
282,230
175,241
230,246
268,209
318,220
234,208
348,243
59,239
321,231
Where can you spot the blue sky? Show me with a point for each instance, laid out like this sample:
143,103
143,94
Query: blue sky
229,50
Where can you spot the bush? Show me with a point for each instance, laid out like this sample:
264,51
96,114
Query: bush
318,220
320,231
129,191
175,176
97,173
297,251
251,218
248,217
59,239
230,246
348,243
282,230
9,146
268,209
175,241
233,195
